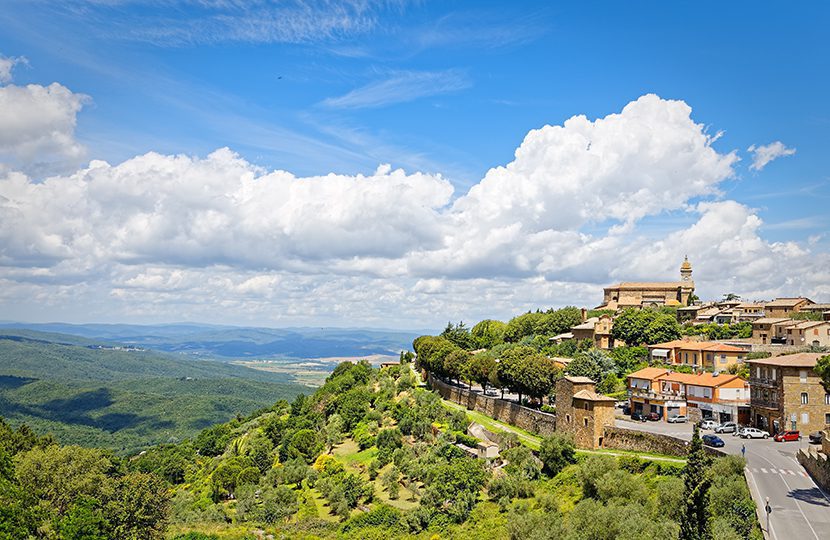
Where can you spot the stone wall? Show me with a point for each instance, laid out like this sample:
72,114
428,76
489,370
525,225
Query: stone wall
642,441
538,422
817,466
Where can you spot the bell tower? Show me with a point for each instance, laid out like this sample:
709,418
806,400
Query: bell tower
686,270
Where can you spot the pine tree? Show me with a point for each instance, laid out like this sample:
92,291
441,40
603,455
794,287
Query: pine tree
694,522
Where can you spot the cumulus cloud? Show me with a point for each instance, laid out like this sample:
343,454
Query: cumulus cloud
763,155
6,66
219,239
37,127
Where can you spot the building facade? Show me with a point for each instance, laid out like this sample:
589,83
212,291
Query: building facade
581,412
597,330
644,294
785,307
786,393
699,355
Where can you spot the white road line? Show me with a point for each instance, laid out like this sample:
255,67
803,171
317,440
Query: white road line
759,508
763,470
795,500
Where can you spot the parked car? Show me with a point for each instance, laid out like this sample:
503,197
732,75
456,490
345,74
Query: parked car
638,416
787,436
753,433
653,417
678,419
708,424
739,431
816,437
726,427
713,440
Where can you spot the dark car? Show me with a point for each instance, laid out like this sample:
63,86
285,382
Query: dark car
713,440
638,416
653,416
787,436
816,437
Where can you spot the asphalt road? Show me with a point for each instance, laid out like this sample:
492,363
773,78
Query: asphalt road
800,510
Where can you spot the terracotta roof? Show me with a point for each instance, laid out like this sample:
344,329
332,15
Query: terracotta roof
770,320
696,346
649,373
809,324
790,360
587,325
705,379
787,302
592,396
816,307
654,285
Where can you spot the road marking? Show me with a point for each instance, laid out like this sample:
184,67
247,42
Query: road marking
759,507
763,470
800,510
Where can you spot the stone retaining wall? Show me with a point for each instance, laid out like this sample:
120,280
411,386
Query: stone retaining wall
537,422
817,466
643,441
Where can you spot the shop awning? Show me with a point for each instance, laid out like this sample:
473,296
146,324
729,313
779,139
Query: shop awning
659,352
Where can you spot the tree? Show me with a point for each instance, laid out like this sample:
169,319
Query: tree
556,453
649,326
481,368
390,482
822,369
593,364
458,334
522,326
139,510
511,368
694,520
455,364
334,431
488,333
629,359
731,297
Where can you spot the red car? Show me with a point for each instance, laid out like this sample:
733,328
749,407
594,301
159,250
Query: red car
787,436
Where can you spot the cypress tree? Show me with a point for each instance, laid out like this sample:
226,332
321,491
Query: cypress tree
694,522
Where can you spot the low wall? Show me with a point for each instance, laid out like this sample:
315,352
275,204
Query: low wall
537,422
643,441
817,466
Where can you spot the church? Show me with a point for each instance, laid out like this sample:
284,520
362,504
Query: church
638,295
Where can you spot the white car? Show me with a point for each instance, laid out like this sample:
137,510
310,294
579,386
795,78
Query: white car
708,424
753,433
678,419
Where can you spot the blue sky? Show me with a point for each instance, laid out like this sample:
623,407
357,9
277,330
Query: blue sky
449,88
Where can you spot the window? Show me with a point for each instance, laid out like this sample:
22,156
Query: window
803,375
827,399
827,419
773,373
586,422
723,359
805,419
568,418
804,398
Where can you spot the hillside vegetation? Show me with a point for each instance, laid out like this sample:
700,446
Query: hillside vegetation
120,399
372,455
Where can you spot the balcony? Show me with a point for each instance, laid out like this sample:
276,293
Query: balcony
649,394
763,381
764,403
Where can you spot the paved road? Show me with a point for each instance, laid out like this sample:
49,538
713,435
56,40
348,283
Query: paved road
800,510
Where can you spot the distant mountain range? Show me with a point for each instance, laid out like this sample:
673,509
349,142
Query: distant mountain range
229,342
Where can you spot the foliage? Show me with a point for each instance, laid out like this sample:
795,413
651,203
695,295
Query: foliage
593,364
712,331
694,519
556,452
822,369
459,335
629,359
488,333
645,326
482,369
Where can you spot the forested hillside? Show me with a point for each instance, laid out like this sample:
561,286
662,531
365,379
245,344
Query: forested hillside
370,455
123,400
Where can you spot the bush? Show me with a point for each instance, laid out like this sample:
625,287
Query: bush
556,452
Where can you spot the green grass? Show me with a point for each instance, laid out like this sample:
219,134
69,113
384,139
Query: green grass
534,442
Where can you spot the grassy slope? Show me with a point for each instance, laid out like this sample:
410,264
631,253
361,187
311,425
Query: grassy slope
123,400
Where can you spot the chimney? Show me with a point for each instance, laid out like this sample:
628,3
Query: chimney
584,314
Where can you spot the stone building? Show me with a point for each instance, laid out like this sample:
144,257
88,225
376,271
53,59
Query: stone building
597,330
785,307
582,412
635,294
786,393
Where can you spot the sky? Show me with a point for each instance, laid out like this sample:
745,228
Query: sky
400,164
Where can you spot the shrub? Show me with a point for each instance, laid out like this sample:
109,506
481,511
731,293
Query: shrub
556,452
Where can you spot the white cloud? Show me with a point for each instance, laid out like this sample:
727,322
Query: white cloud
7,65
218,239
37,127
764,154
401,87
